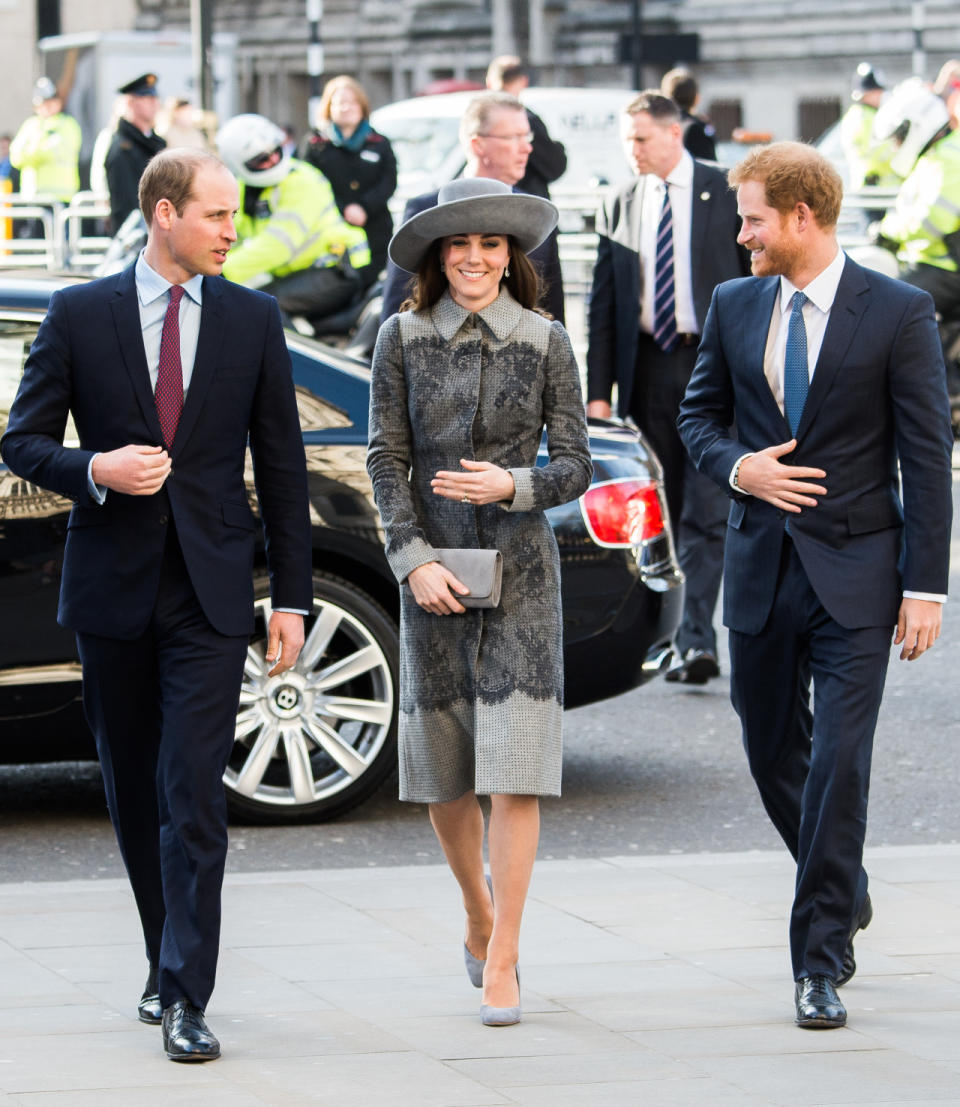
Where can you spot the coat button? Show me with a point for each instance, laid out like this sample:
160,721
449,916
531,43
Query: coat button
354,185
164,520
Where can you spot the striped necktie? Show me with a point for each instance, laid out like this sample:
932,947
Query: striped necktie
796,372
168,394
664,300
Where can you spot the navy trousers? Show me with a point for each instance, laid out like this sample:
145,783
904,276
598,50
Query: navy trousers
812,767
163,711
697,507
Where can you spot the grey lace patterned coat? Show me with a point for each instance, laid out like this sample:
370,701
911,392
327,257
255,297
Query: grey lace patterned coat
481,694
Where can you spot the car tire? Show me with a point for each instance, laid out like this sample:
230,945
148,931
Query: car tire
319,740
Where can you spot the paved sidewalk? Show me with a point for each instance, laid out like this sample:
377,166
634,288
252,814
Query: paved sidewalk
646,980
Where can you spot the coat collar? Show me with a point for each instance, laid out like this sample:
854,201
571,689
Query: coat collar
501,316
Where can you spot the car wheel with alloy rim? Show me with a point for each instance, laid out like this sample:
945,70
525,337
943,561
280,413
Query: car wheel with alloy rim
317,740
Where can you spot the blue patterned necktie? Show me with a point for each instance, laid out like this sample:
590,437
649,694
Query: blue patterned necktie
664,300
796,374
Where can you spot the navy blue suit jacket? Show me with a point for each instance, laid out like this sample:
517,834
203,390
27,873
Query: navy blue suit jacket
614,309
88,359
877,397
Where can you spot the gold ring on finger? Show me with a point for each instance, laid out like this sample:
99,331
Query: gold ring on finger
466,498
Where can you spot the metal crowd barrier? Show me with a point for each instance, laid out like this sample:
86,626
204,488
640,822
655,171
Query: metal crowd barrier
64,241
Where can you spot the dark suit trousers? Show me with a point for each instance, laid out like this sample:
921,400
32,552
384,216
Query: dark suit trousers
812,767
697,507
163,710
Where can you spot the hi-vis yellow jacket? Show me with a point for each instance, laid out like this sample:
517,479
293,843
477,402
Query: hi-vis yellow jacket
296,225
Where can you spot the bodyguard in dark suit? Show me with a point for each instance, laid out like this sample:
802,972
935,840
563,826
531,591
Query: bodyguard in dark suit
496,136
833,377
167,369
651,369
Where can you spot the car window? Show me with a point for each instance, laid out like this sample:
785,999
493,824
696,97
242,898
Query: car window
421,145
16,338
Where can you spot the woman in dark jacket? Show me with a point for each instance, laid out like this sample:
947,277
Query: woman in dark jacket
358,162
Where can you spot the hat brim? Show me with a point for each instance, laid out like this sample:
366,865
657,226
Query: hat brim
527,219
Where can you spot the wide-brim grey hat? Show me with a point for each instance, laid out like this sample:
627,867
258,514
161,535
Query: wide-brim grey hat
474,205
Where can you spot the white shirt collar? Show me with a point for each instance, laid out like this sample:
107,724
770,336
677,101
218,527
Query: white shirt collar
151,286
681,176
821,291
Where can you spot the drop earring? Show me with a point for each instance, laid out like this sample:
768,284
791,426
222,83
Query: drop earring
506,270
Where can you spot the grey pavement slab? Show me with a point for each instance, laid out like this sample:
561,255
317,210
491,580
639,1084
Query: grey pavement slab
661,980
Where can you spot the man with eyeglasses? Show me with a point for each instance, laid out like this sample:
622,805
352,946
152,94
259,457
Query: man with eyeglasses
496,138
548,158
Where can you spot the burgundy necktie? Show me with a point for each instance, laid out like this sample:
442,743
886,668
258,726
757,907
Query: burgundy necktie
169,391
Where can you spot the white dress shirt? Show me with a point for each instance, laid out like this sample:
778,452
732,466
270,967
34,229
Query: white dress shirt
680,180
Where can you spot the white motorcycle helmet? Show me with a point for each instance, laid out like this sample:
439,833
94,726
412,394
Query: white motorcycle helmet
911,117
246,143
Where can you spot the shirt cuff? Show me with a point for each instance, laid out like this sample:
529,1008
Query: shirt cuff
935,597
292,611
735,472
98,492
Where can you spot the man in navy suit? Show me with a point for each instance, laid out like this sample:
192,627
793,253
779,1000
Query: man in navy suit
651,373
167,370
819,393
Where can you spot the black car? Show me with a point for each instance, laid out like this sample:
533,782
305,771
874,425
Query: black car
320,739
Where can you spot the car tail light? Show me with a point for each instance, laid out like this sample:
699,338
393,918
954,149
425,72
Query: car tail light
623,512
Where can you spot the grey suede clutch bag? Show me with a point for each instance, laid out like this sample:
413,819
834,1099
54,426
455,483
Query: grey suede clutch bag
480,570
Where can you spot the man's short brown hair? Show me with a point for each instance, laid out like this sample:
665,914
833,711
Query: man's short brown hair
660,108
170,176
791,173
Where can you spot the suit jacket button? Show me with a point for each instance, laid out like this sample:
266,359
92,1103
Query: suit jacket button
163,520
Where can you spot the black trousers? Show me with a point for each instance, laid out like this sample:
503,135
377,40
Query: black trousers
316,291
812,768
697,506
163,711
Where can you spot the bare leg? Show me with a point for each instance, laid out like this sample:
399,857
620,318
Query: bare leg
459,829
514,836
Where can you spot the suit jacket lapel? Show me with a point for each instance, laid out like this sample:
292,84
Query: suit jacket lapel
126,317
848,307
205,361
701,202
635,201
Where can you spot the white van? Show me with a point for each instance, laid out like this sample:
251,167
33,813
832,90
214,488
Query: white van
423,132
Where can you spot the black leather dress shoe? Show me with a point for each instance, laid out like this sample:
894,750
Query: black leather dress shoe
849,966
695,667
149,1009
818,1005
186,1036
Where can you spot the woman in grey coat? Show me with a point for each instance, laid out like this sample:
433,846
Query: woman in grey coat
463,384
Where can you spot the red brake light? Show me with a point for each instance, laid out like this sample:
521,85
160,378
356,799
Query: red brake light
623,512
